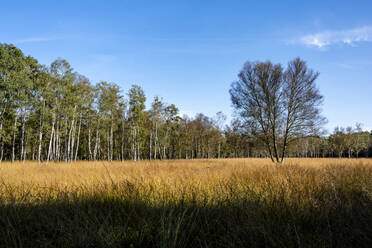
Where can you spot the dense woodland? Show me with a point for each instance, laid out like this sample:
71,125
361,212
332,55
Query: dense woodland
52,113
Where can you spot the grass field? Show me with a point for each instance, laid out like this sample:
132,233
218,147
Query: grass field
187,203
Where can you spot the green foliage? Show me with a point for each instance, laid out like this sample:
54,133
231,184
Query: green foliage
54,113
136,105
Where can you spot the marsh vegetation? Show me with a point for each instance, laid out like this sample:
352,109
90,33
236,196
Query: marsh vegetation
187,203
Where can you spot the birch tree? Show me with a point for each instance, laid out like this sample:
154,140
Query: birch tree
136,116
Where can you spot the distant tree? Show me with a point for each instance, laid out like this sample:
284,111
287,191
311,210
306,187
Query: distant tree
16,74
155,115
350,140
136,114
338,141
325,146
219,121
85,94
171,120
108,103
279,106
361,140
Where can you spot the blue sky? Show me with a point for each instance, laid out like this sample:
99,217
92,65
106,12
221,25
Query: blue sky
189,52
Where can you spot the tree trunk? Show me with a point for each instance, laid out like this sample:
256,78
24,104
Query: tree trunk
57,156
51,138
122,140
111,140
97,141
40,135
108,145
69,140
219,150
89,141
1,137
22,138
24,150
53,154
179,149
156,139
99,147
275,146
134,144
138,153
209,150
73,141
14,136
65,141
150,155
78,139
1,140
2,151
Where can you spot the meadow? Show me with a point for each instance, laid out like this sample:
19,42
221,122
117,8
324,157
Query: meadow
187,203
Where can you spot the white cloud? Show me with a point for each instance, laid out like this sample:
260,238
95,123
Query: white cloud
35,39
328,38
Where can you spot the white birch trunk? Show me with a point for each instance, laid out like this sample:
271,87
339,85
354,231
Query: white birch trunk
156,139
73,141
108,145
51,139
40,139
57,143
69,140
24,151
111,140
122,141
22,137
150,157
89,141
134,145
78,140
14,134
97,142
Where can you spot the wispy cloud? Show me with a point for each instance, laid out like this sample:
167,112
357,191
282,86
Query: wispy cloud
328,38
36,39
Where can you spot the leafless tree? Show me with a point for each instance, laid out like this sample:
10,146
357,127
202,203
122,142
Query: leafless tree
279,105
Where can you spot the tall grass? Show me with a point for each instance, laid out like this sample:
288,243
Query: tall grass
187,203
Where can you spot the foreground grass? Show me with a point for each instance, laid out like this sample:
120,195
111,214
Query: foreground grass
198,203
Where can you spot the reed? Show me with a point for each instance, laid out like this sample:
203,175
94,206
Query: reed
187,203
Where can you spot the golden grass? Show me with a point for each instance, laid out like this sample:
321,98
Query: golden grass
178,178
170,201
83,172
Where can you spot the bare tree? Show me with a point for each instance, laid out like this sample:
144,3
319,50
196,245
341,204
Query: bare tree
279,106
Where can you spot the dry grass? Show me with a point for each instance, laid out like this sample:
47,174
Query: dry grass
187,203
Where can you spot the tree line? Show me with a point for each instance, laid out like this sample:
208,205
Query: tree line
52,113
281,108
349,142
